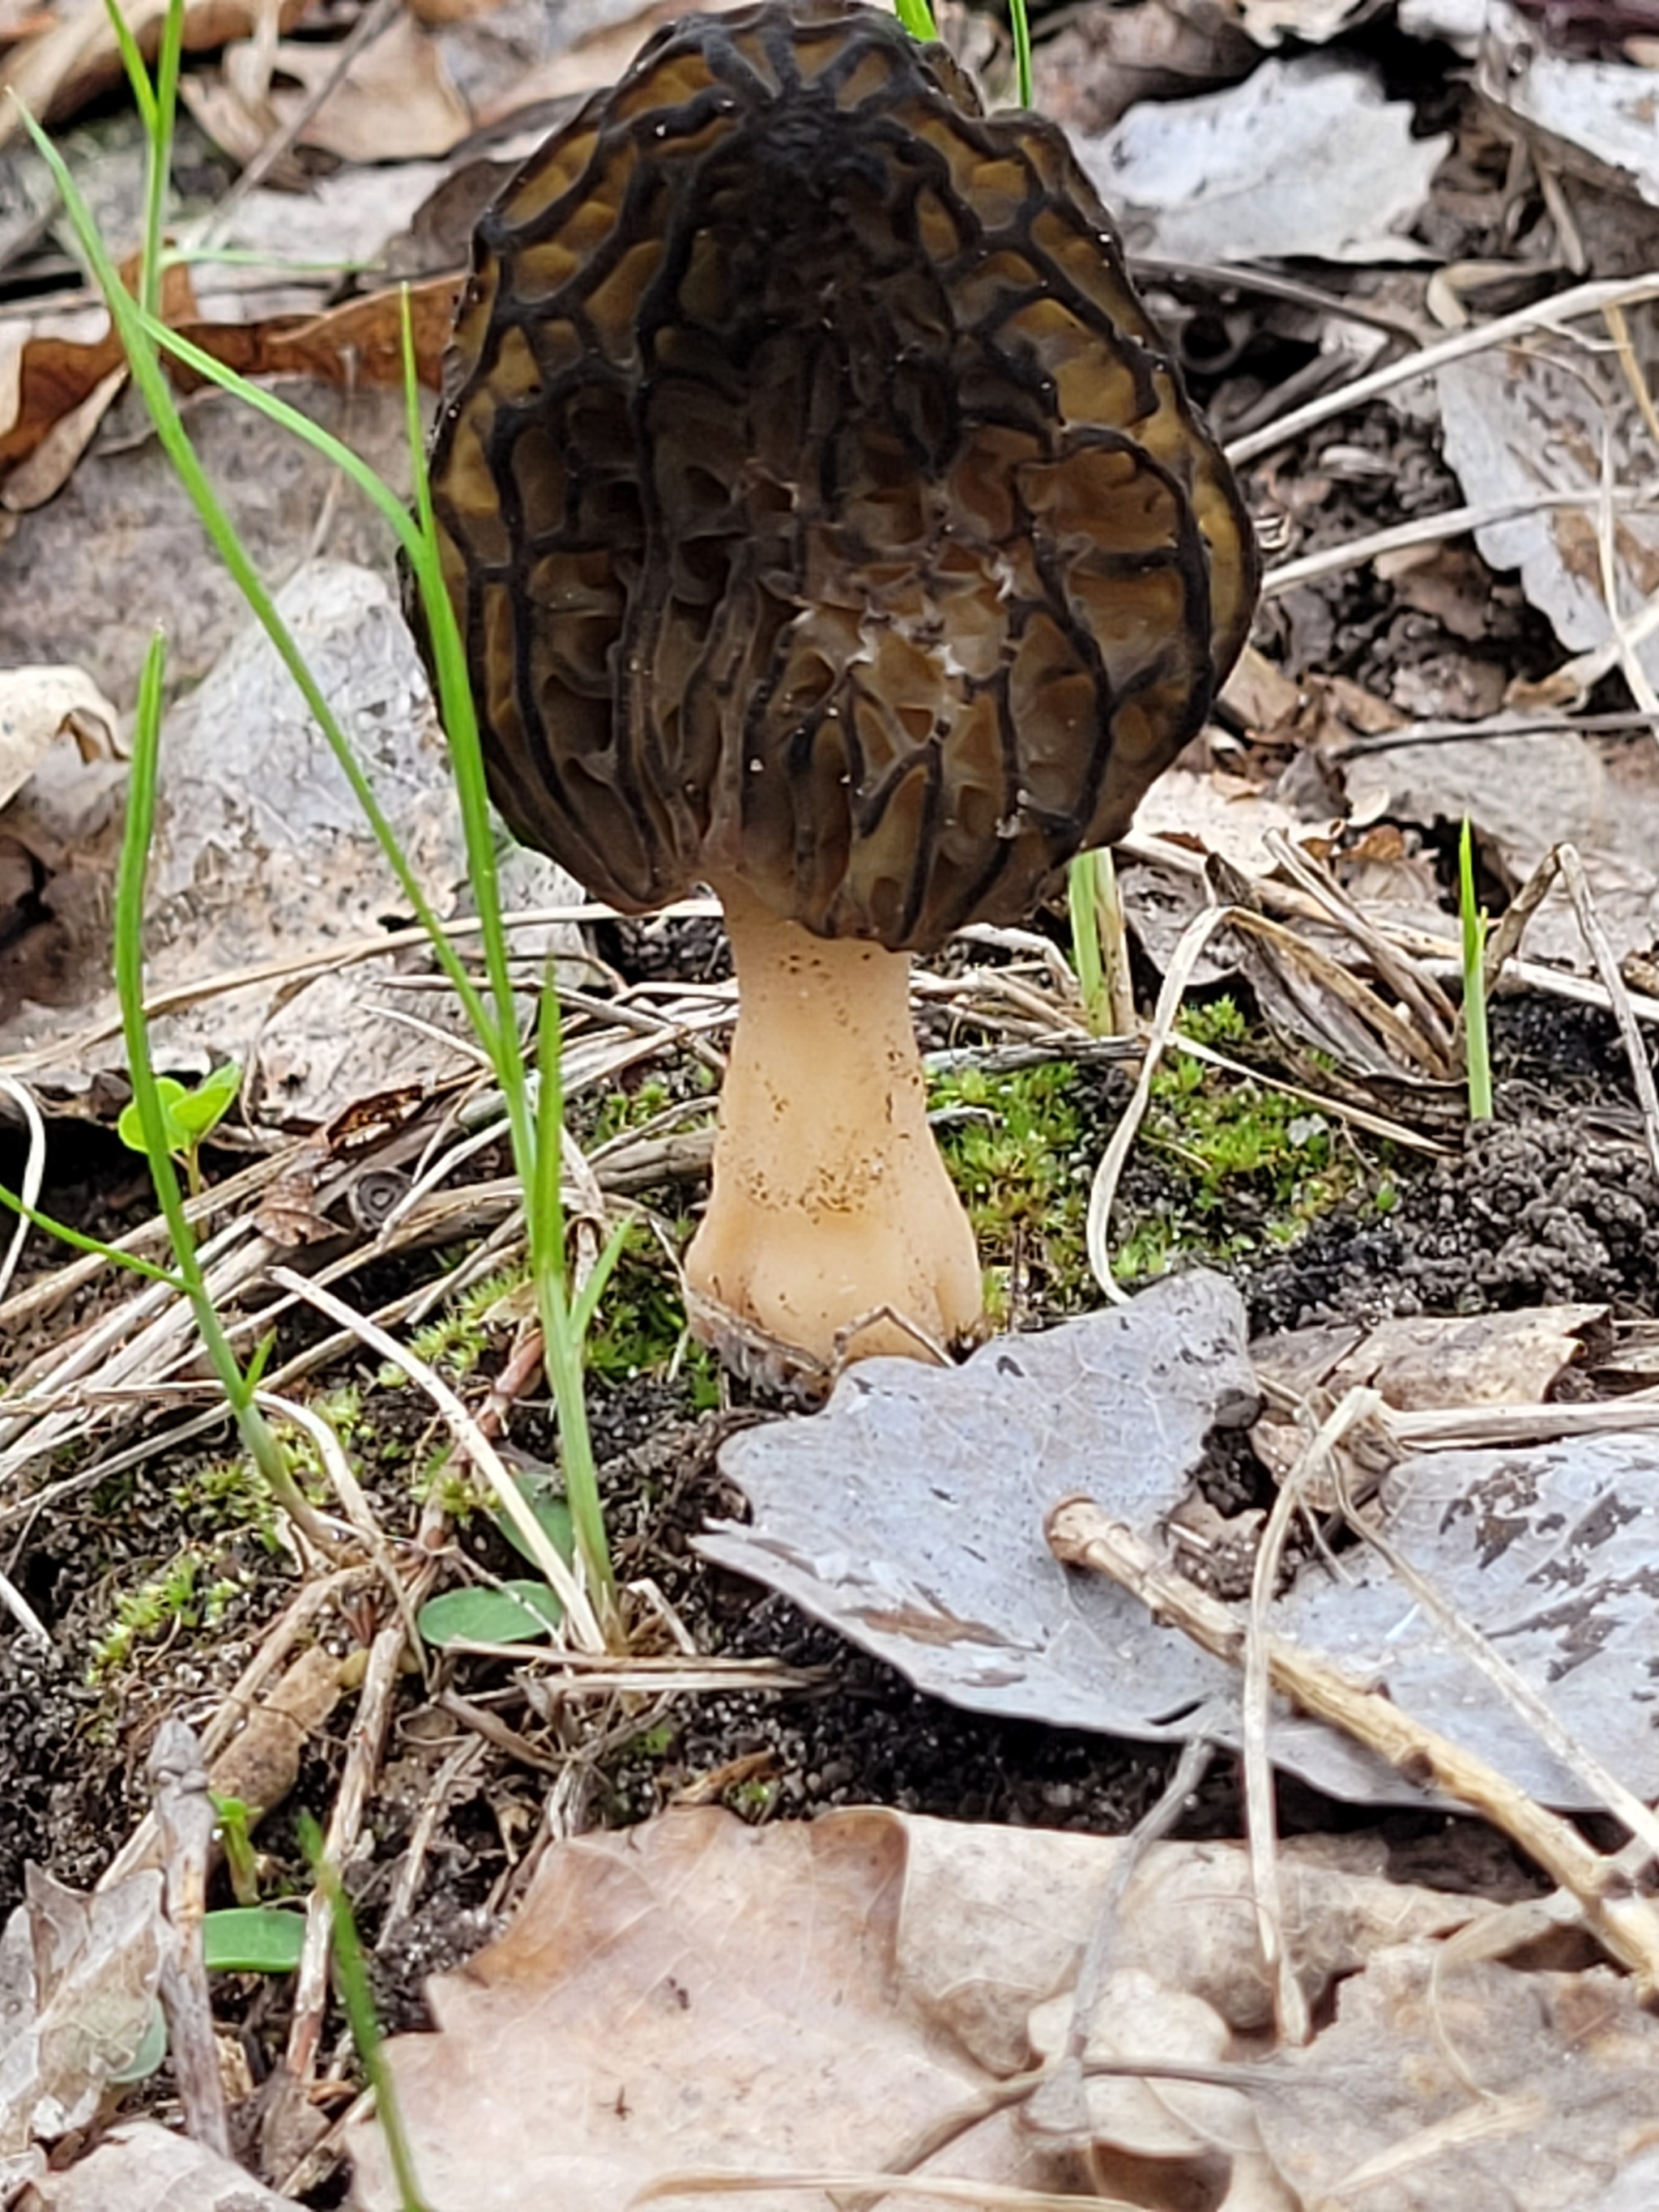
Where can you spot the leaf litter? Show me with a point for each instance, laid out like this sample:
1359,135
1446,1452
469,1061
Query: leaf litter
696,1999
1542,1538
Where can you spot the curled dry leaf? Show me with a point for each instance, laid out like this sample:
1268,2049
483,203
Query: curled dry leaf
51,374
67,63
142,2167
37,706
1434,1360
78,1979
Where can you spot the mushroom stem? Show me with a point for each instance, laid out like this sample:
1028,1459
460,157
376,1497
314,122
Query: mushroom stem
830,1200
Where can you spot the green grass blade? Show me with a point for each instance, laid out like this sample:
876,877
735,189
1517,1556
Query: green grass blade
141,335
132,61
91,1245
562,1341
1477,1053
1022,26
358,2003
1088,964
129,961
917,18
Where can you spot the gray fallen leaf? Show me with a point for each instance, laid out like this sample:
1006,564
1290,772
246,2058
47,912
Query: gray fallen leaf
1596,117
1306,157
1458,23
1519,423
1371,2114
262,852
140,2167
908,1516
78,1979
1524,793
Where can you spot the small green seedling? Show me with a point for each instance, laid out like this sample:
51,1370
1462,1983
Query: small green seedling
191,1117
1477,1056
236,1839
265,1939
258,1939
517,1611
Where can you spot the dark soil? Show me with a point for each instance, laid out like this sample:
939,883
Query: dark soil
1552,1201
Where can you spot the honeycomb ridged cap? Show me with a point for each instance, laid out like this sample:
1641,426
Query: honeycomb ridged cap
820,505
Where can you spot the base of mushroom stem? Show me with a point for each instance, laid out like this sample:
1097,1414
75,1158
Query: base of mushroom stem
833,1231
784,1371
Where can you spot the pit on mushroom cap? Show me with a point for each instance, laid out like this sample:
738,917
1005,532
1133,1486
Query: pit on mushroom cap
827,522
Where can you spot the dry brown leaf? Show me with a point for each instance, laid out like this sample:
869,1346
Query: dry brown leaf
1218,813
142,2167
36,706
1435,1360
695,1992
692,1992
57,71
1261,696
48,380
48,468
1102,60
358,343
78,1978
395,103
63,386
24,19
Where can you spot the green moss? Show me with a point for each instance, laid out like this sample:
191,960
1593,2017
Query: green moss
640,1329
187,1594
459,1338
1016,1148
1249,1166
227,1495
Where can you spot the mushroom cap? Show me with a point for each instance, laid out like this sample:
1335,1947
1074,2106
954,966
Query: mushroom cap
820,505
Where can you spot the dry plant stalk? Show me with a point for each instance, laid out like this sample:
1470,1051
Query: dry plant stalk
1081,1534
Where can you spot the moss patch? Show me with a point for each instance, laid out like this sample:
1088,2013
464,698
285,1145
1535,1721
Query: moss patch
1246,1169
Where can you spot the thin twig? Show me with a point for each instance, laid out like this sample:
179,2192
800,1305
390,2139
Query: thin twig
1592,299
363,1748
1081,1535
1607,965
185,1821
33,1175
376,18
579,1612
1429,530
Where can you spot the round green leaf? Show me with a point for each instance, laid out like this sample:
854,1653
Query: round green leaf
517,1612
253,1939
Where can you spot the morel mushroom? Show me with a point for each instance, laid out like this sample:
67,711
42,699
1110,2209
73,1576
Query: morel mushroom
827,525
